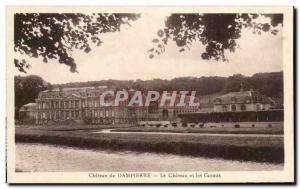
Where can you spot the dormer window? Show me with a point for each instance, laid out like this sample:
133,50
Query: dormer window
247,99
233,99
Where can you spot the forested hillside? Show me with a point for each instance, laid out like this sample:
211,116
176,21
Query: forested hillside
270,84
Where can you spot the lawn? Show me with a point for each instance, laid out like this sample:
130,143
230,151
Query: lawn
221,128
71,127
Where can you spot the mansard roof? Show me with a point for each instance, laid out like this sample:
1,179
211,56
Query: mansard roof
243,97
78,92
28,107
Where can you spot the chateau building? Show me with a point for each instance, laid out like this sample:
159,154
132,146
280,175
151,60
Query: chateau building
243,101
83,104
171,111
28,111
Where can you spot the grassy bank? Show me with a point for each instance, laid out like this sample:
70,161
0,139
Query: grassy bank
220,128
71,127
248,148
204,130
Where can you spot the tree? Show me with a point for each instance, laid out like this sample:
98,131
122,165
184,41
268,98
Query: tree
55,36
27,90
235,83
217,32
270,84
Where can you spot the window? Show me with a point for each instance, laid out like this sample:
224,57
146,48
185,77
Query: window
224,108
112,113
257,107
243,107
233,108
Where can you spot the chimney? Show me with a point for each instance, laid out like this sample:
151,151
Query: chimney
241,87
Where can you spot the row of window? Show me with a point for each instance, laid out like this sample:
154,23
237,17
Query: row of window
234,108
76,114
246,99
68,104
242,107
58,114
185,110
57,104
88,104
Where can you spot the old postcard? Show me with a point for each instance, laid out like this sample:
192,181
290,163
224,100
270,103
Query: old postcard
150,95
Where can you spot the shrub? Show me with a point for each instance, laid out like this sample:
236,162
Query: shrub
87,120
184,124
253,125
27,121
236,126
270,125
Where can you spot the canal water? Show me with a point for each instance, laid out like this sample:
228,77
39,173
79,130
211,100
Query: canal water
49,158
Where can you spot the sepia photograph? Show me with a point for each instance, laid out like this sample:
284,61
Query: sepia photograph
150,95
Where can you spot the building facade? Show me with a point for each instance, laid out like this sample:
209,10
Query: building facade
171,111
243,101
83,105
28,111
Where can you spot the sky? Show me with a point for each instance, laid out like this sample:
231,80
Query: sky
123,55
